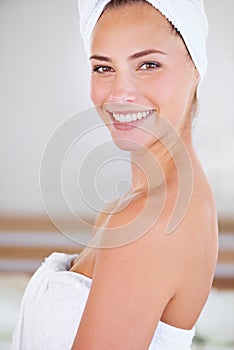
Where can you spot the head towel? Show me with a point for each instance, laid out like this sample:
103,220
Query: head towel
187,16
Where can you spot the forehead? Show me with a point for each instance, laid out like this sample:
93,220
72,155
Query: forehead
130,25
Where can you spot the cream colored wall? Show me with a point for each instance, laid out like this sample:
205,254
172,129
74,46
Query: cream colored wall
43,81
214,134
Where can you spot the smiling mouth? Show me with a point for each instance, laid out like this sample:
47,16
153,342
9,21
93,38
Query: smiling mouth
128,117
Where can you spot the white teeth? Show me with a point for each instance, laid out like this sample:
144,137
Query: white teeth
117,117
126,118
121,118
139,115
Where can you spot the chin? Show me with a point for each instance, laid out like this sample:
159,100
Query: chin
127,145
133,143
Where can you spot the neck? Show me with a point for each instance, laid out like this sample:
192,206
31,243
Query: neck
166,158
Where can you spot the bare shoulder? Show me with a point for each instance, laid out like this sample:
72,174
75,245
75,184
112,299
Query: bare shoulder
131,278
176,268
139,268
135,252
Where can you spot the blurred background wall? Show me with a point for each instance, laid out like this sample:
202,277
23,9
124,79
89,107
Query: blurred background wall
44,80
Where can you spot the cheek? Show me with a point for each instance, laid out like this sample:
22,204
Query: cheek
94,92
98,96
156,90
170,93
98,91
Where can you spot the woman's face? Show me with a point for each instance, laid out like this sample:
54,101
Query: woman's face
139,67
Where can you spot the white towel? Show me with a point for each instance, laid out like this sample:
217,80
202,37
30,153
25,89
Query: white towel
53,305
187,16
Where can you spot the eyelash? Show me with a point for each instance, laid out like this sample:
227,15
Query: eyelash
107,69
150,64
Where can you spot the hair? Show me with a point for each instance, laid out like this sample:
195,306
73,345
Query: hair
114,4
119,3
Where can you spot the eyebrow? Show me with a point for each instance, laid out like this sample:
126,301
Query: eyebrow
132,57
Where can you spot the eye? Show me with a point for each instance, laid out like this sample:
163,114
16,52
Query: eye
102,69
149,66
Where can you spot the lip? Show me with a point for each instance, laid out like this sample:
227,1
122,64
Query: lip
128,125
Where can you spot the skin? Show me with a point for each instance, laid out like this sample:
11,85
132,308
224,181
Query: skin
169,273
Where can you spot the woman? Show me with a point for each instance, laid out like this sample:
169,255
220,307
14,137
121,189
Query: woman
139,287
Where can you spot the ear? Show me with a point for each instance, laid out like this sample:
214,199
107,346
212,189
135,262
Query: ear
196,76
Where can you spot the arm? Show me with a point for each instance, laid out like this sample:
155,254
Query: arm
131,287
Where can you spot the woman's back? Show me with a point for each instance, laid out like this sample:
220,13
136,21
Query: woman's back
191,248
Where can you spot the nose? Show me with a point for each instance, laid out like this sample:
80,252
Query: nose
124,89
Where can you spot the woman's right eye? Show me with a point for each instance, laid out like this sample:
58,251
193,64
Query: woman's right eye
102,69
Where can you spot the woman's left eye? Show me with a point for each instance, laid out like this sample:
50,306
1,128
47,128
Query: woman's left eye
149,66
